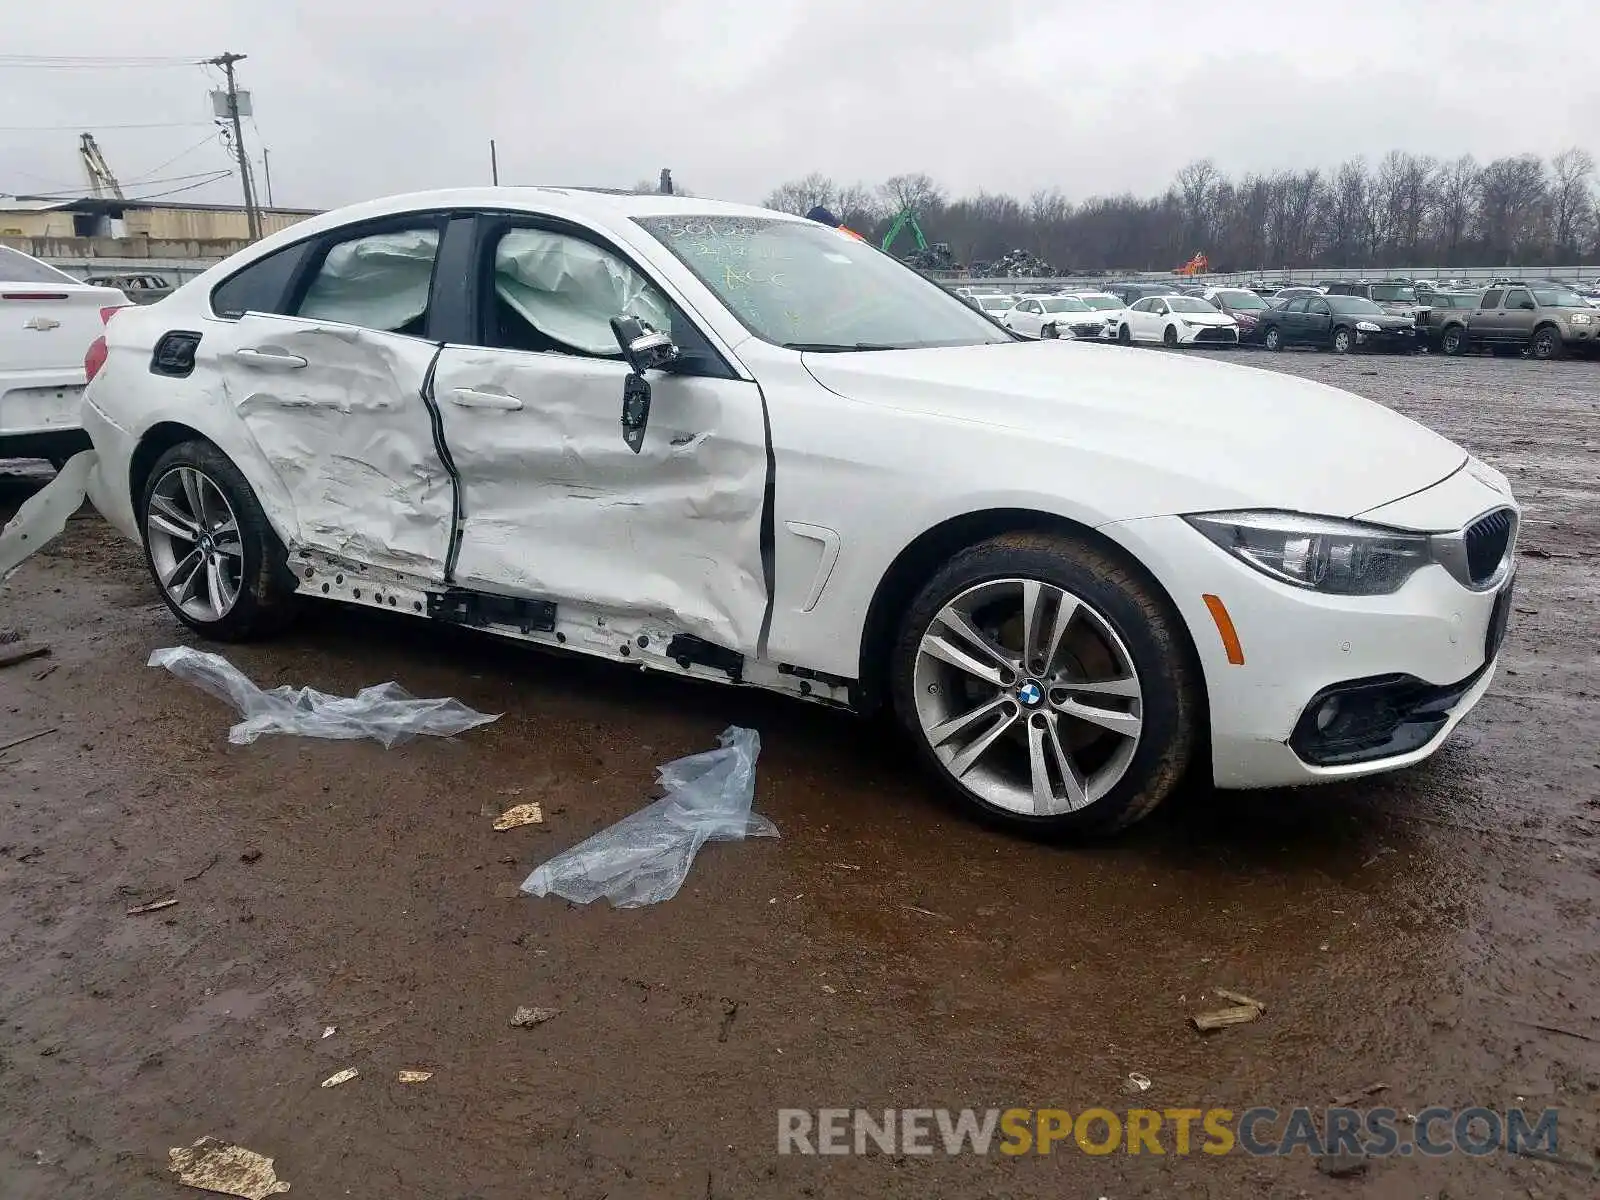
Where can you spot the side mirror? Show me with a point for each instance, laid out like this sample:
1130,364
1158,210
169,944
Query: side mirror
644,349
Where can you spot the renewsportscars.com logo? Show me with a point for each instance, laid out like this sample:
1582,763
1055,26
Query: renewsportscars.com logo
1264,1132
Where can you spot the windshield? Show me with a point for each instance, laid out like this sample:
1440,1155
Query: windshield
1243,300
1189,304
17,267
1457,301
1065,304
1559,297
802,285
996,303
1102,303
1402,293
1354,306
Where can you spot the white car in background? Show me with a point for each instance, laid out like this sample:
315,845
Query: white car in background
995,305
48,321
561,417
1069,317
1177,321
1108,307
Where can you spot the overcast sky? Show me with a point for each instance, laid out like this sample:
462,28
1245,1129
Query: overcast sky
358,100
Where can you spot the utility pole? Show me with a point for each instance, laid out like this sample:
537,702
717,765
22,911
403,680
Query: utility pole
494,165
226,61
266,167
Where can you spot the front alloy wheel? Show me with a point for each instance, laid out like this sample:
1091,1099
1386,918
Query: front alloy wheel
1343,341
1048,684
1042,715
194,542
1272,339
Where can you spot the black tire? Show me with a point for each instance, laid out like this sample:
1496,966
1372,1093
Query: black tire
1149,628
1547,344
1124,336
1344,340
266,598
1272,339
1453,341
1169,337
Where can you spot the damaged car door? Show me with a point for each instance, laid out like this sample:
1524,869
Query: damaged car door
328,386
555,505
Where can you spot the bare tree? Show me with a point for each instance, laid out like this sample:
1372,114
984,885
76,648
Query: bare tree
1512,206
800,196
859,207
1196,185
1571,201
1456,195
917,192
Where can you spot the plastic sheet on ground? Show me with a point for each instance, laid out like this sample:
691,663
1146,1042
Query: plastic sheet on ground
44,515
386,712
644,858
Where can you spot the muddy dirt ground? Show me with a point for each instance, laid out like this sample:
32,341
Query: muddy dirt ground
1434,931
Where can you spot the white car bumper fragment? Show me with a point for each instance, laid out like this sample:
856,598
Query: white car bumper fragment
1295,643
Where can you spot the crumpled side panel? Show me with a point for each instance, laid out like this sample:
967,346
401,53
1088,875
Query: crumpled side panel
351,440
570,289
556,506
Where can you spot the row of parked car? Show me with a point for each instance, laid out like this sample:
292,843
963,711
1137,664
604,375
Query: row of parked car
1540,318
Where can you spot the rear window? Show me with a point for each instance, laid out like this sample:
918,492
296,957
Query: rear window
261,287
17,267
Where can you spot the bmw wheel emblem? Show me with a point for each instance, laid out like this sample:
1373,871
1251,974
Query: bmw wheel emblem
1030,693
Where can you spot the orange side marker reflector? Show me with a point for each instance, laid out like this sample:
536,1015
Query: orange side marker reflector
1230,635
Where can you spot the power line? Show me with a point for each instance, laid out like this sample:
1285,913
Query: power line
81,125
46,62
77,193
210,137
189,187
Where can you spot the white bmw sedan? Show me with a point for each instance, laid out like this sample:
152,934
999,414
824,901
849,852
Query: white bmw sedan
717,441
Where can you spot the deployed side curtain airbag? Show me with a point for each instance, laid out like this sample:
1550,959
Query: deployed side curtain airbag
569,290
378,282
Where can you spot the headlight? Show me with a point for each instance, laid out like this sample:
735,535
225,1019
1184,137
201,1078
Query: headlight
1323,554
1580,318
1367,326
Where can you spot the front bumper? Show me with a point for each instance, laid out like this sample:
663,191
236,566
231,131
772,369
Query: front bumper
1397,341
1430,640
1208,335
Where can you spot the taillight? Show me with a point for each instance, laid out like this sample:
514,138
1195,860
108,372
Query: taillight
107,313
94,359
33,296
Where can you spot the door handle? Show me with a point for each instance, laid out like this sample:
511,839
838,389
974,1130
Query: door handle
471,398
252,357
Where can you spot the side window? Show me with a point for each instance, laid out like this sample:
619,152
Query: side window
1299,306
1491,299
552,292
1159,306
378,281
1519,298
261,287
1319,307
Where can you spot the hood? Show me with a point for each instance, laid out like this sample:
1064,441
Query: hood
1218,318
1209,434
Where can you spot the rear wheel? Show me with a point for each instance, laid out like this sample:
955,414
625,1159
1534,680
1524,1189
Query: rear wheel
1344,341
1546,343
218,564
1272,339
1047,685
